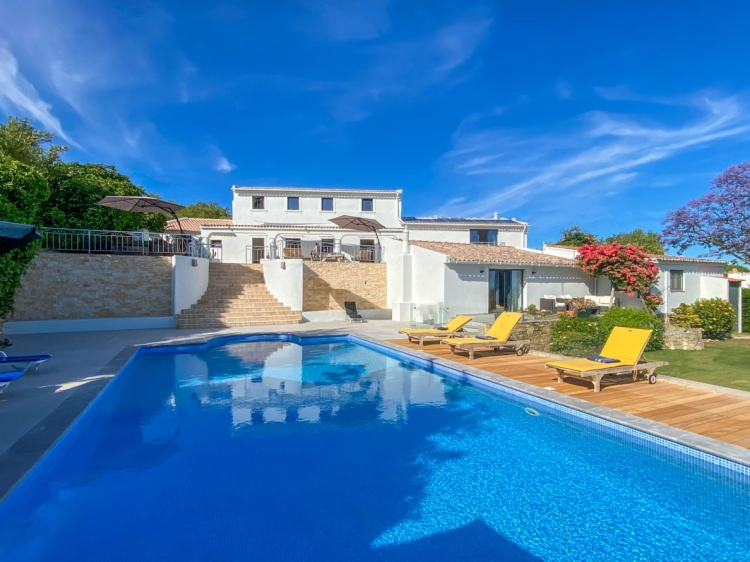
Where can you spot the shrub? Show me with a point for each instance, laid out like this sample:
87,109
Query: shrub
685,316
577,337
746,310
532,309
633,318
716,317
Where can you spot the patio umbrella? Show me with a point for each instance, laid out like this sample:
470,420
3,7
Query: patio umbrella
135,204
14,235
358,223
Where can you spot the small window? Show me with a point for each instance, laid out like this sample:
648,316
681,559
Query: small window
292,203
367,205
258,202
326,204
676,280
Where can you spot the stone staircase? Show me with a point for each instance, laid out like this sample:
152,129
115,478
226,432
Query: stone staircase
236,296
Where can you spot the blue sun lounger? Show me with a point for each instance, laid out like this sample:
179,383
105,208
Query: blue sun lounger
20,364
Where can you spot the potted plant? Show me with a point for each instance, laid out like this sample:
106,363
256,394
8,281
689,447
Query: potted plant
582,307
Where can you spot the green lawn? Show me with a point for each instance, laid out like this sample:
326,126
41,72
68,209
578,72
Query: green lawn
725,363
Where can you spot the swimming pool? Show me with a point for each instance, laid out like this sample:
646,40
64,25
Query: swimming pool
245,449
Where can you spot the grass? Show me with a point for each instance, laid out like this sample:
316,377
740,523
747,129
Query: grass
723,363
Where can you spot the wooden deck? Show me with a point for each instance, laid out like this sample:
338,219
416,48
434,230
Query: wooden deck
715,415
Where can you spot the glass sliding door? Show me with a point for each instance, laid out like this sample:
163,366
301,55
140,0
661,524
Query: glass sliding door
506,290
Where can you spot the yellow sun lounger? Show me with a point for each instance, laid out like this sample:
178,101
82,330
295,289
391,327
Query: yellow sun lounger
497,337
449,330
621,355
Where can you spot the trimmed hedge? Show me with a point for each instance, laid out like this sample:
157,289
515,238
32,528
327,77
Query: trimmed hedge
579,337
746,310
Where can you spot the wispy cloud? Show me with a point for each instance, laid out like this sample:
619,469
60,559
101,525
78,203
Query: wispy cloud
563,89
404,70
508,169
18,95
223,165
349,20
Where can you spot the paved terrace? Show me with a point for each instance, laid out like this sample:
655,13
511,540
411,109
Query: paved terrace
36,409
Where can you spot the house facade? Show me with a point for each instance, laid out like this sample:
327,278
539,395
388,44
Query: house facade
289,222
444,265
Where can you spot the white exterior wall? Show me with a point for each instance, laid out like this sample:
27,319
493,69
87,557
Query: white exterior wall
461,234
466,288
386,206
284,281
695,287
428,278
189,281
560,252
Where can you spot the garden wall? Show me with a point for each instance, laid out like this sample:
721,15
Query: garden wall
60,286
538,331
327,285
676,337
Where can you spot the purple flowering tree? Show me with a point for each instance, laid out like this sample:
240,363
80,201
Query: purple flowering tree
718,221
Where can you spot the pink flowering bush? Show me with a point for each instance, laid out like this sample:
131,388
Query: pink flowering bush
628,267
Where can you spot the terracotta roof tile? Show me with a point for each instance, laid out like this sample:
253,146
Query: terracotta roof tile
194,225
482,253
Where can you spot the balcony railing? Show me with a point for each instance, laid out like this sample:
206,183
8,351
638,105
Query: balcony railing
138,242
310,250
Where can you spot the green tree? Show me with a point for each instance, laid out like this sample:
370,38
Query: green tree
20,141
23,190
575,236
733,266
74,190
202,210
646,239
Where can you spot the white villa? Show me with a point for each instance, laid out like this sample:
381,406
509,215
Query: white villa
436,266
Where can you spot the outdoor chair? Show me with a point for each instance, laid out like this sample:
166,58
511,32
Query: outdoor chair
450,330
351,312
497,337
622,354
20,365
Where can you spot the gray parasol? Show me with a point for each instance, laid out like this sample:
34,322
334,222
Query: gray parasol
136,204
358,223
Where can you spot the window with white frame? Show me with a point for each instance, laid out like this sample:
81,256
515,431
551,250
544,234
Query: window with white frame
258,202
326,203
367,205
676,280
292,203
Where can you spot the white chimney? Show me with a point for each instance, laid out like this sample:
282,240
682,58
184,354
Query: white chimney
495,215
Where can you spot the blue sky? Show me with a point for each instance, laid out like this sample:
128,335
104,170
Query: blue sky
549,112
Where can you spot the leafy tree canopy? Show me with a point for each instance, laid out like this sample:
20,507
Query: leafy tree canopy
739,268
202,210
718,221
575,236
23,191
648,240
20,141
75,189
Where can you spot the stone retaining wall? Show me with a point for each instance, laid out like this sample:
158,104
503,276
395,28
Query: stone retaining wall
59,286
538,331
327,285
683,338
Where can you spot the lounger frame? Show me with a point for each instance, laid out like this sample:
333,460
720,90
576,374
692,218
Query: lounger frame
521,347
421,338
643,367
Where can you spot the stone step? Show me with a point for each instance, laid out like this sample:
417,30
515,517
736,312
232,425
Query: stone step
236,301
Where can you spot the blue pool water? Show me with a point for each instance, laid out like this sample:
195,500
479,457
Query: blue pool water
273,451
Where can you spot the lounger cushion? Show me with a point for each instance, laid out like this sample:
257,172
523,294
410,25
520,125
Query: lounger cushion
10,376
454,325
585,365
487,338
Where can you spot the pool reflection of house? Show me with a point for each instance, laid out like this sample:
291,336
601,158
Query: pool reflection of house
275,382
